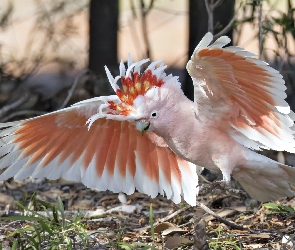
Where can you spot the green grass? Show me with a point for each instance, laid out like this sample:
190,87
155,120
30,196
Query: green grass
136,245
275,208
48,230
223,241
45,226
139,245
151,219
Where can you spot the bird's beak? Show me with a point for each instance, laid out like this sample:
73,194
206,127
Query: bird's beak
142,126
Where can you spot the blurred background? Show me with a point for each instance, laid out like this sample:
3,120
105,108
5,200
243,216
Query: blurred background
52,53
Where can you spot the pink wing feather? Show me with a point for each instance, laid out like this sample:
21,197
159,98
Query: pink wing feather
110,155
241,95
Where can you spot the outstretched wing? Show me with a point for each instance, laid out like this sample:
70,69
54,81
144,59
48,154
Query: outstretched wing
241,95
111,155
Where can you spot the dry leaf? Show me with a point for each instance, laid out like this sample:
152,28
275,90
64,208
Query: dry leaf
125,209
222,214
163,226
259,235
176,241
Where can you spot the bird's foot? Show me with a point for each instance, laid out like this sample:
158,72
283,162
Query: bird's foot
218,185
221,184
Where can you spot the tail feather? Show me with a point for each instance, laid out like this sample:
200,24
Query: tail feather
290,171
266,180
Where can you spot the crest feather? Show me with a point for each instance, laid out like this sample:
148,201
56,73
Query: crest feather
135,83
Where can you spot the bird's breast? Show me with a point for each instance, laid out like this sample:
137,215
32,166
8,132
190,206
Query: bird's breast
204,146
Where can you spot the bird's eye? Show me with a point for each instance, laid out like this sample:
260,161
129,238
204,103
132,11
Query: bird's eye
154,114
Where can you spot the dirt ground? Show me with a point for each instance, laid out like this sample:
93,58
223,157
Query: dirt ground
111,218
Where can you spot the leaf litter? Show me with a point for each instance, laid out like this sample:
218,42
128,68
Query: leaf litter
123,222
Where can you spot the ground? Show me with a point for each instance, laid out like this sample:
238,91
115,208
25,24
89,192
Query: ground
124,222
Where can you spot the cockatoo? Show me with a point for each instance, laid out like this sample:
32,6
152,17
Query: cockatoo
238,107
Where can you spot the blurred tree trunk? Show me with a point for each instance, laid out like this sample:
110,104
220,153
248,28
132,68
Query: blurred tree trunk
198,26
103,27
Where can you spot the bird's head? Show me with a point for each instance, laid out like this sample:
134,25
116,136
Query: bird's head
143,96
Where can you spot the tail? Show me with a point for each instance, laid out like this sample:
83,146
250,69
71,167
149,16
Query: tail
264,179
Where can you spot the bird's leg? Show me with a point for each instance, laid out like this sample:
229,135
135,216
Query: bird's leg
225,184
221,185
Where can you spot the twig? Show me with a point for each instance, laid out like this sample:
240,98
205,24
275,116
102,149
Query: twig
214,5
168,217
135,38
209,186
210,16
226,222
144,12
72,89
210,11
132,7
150,6
201,205
22,112
226,28
204,179
13,105
260,28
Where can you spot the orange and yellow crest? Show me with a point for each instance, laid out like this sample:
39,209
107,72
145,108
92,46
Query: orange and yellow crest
134,84
137,85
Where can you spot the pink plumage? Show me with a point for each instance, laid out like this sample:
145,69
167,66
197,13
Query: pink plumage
239,105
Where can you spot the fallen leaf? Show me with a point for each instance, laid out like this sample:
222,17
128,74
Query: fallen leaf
222,214
98,212
259,235
125,209
163,226
176,241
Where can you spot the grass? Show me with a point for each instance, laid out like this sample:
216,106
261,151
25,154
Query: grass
151,219
136,245
223,240
144,246
43,225
275,208
48,229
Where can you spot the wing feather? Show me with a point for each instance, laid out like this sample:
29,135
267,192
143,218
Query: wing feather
242,95
112,154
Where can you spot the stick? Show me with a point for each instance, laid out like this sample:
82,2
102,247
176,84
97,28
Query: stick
72,89
260,29
22,112
226,222
168,217
201,205
13,105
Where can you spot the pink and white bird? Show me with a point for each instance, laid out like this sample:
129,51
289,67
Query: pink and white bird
238,105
